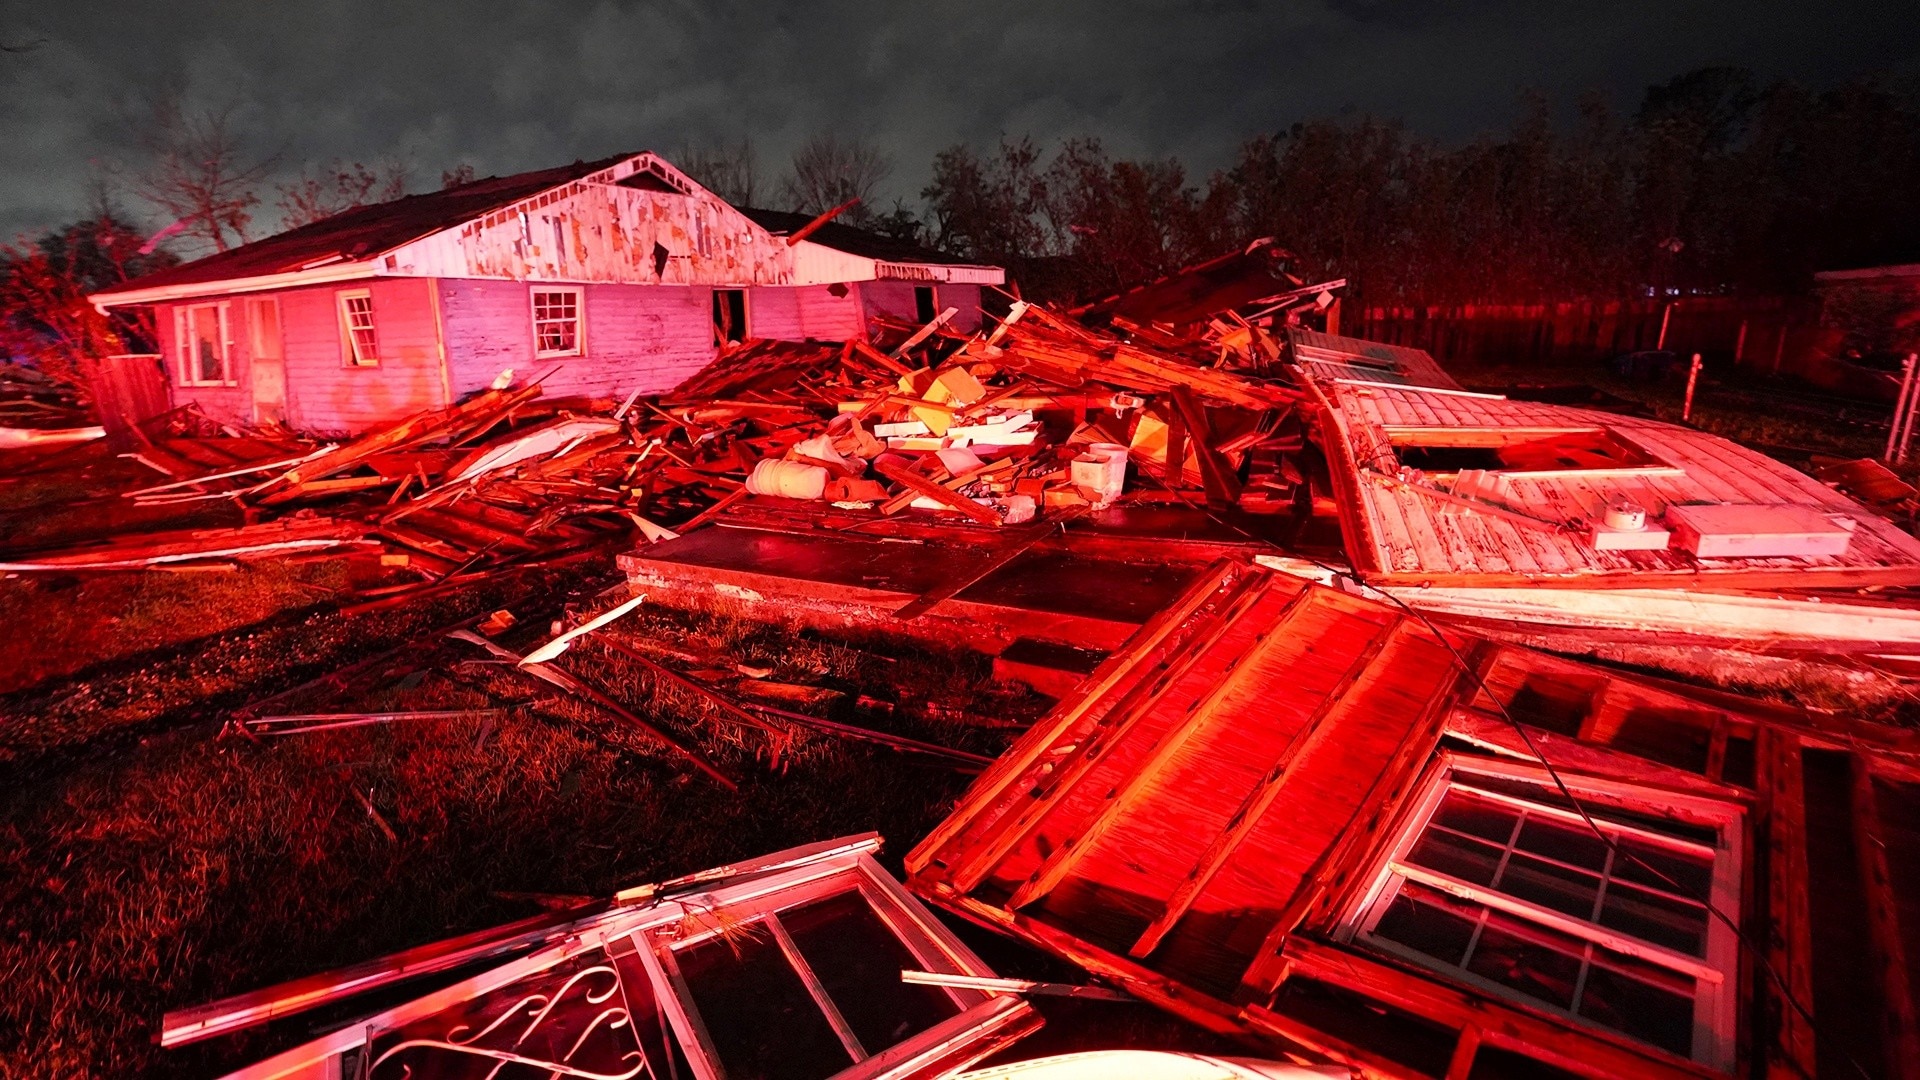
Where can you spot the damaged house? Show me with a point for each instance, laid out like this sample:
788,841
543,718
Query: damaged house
606,278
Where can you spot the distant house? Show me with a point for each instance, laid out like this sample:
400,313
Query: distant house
604,277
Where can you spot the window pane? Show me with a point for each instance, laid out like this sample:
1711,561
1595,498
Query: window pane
1456,856
1571,892
1664,868
1481,817
1563,841
1536,961
1676,924
1431,922
1640,1000
858,961
762,1020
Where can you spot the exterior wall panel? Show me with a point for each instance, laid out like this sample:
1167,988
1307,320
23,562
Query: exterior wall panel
810,311
635,337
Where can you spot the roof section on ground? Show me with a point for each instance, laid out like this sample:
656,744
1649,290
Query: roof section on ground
867,245
368,230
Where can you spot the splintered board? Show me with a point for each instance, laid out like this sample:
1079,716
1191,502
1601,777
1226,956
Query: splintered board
1184,814
1201,820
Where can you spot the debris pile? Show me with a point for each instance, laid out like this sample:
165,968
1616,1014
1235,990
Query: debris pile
1038,417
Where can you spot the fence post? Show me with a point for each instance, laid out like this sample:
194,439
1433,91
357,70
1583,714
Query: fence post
1693,377
1906,425
1900,406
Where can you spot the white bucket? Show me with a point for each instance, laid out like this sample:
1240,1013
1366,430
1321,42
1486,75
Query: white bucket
1102,469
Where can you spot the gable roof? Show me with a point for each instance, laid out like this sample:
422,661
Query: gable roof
341,246
364,232
867,245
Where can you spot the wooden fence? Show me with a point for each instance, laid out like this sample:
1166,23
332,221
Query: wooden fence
1764,331
128,390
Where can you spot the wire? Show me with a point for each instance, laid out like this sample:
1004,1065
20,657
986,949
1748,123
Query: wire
1732,924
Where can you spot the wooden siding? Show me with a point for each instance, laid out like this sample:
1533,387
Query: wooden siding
325,393
644,338
894,299
1199,818
595,230
805,312
230,404
1401,535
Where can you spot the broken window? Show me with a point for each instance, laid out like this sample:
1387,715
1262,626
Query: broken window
1501,884
924,307
1446,450
784,968
729,316
556,322
203,345
356,325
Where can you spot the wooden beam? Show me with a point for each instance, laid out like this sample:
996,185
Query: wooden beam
1789,1048
1200,619
1314,731
811,227
1059,864
934,491
1898,1026
1218,584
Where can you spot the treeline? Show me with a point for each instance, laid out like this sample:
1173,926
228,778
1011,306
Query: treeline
1715,183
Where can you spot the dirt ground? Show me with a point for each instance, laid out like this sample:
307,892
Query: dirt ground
147,863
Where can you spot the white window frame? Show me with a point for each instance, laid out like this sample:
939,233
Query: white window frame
349,343
579,320
1716,995
184,341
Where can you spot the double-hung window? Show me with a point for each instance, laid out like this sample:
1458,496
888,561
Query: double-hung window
556,322
362,347
1499,882
203,345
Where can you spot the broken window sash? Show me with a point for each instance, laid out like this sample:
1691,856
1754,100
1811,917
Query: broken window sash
1499,884
556,322
356,324
710,976
203,345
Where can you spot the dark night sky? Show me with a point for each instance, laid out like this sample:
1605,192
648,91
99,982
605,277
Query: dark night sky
516,86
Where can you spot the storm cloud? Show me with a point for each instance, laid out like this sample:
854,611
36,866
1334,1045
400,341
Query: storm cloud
507,87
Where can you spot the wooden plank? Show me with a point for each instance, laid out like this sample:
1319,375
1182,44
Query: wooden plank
1256,801
1898,1024
1789,1050
931,490
1062,860
1219,584
1165,648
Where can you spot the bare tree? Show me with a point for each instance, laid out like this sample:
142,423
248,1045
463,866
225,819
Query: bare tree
828,171
199,172
455,177
320,192
730,172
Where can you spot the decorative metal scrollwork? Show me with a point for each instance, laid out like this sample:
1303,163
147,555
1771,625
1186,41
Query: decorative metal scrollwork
536,1009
